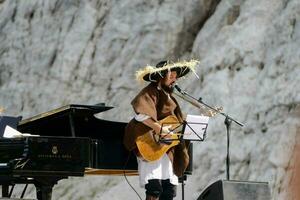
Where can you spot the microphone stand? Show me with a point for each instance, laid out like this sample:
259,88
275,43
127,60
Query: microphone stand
227,122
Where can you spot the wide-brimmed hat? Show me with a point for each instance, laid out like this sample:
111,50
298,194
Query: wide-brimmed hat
152,74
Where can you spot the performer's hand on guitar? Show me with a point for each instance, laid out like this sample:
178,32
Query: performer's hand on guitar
163,133
166,133
166,130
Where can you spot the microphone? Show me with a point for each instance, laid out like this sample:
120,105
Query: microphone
177,87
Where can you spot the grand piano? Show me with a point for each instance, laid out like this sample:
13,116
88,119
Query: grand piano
71,141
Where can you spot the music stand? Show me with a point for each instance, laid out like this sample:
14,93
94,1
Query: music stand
193,129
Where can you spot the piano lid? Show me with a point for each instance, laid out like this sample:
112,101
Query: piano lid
75,109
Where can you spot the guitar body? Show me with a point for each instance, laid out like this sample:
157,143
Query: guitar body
152,150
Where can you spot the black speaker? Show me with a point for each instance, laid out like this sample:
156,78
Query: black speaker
236,190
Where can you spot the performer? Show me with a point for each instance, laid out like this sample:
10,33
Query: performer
153,103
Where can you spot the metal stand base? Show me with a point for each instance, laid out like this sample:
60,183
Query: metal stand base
181,180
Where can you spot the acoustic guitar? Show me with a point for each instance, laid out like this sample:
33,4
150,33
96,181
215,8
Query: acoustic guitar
151,149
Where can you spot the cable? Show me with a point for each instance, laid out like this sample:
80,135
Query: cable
126,176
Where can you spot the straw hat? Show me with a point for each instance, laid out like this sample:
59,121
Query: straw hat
152,74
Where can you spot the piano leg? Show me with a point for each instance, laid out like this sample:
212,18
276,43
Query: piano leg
5,188
44,192
44,187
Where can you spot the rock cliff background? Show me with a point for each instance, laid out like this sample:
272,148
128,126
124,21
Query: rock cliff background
56,52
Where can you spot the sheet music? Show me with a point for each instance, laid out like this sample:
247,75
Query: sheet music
10,132
196,126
